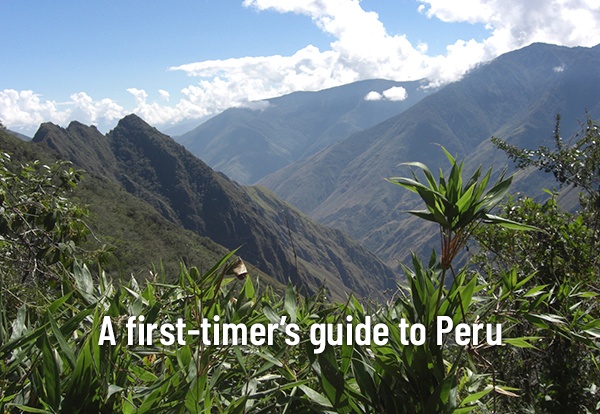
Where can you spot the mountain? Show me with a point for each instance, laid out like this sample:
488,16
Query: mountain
514,97
18,135
137,235
270,234
248,143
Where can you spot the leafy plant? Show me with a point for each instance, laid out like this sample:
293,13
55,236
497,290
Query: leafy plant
74,348
40,228
576,162
561,303
457,206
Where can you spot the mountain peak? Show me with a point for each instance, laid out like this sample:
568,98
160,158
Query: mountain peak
151,166
133,121
76,126
44,130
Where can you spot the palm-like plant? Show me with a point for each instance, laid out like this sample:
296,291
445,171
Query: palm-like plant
457,207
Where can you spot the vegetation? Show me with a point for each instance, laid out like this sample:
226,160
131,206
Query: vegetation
562,372
78,347
147,171
136,236
40,227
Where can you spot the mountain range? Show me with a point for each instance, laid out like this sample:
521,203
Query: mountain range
323,155
515,97
135,161
249,143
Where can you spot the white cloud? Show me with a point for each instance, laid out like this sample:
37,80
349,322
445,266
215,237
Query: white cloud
449,11
87,111
516,23
157,114
164,95
361,48
24,110
253,78
256,105
396,93
373,96
21,109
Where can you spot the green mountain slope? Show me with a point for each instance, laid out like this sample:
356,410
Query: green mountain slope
136,234
153,168
514,97
247,144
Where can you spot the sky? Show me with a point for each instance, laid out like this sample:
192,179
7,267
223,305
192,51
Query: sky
171,62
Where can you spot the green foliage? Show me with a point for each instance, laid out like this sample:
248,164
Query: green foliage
429,377
557,304
563,251
562,308
576,162
456,206
535,317
51,359
40,228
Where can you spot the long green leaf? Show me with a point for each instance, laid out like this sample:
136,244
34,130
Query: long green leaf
475,397
522,342
426,171
315,396
51,375
509,224
290,302
62,342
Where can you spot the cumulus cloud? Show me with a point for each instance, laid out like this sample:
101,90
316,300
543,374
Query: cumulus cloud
373,96
361,48
88,111
164,95
232,82
515,23
21,109
158,114
395,93
25,110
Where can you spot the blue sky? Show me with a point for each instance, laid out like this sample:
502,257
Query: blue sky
180,60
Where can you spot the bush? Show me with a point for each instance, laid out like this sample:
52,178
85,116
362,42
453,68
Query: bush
40,228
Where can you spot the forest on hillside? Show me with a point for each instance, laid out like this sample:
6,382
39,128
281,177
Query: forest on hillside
72,339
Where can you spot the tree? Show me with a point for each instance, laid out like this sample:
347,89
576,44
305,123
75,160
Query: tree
575,163
561,373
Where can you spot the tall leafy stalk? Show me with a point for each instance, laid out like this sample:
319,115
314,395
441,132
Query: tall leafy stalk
457,206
